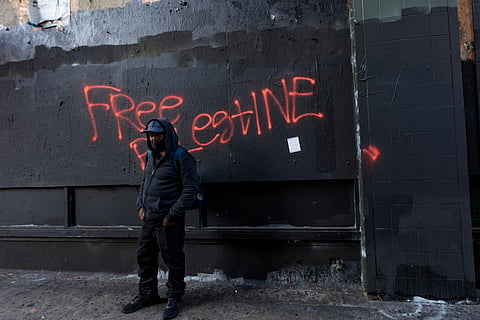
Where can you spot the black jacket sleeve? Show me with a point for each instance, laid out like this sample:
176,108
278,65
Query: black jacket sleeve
140,191
190,185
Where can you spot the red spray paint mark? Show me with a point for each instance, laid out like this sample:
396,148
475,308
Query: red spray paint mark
372,152
90,105
206,129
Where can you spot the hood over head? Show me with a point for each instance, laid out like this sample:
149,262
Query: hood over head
171,137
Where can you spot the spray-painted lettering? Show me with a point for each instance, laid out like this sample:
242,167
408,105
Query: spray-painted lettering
207,128
372,152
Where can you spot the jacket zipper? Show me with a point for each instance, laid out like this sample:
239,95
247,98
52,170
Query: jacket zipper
146,188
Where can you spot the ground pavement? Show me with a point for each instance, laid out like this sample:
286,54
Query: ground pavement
39,295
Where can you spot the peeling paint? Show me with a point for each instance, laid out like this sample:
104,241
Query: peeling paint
97,4
467,37
107,27
13,13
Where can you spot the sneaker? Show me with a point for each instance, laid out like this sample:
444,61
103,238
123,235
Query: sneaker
172,309
138,303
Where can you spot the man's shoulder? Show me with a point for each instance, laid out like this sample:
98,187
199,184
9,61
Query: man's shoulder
182,152
179,151
183,155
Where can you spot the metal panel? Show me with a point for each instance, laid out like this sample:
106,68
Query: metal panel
106,206
32,206
234,258
281,204
69,254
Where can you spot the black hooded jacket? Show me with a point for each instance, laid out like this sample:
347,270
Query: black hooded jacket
167,189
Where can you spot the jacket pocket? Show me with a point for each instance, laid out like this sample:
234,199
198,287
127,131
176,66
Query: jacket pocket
157,204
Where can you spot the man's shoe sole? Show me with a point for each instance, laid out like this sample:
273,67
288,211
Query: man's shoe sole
175,315
147,304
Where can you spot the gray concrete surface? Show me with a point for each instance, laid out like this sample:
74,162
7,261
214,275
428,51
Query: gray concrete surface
39,295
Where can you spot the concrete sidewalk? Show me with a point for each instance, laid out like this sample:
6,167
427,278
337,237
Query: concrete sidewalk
39,295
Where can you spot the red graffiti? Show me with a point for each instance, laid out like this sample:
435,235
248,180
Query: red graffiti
372,152
206,128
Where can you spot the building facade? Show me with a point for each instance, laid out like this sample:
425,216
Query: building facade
324,131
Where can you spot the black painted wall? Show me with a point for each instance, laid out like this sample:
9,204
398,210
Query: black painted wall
417,211
238,78
72,112
471,74
81,109
236,87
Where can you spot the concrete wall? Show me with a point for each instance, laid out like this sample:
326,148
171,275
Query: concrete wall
417,210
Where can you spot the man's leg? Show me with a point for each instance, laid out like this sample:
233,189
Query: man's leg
147,259
174,257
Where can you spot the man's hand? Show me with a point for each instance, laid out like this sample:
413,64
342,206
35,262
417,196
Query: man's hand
141,214
167,222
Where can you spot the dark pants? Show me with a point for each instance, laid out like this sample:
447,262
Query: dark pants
155,238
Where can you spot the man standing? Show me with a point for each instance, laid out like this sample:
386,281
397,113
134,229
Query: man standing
169,187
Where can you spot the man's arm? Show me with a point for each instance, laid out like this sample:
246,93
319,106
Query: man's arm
189,176
140,205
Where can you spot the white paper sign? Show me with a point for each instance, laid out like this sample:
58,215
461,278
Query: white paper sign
294,144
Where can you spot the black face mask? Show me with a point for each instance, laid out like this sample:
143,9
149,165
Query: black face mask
158,145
